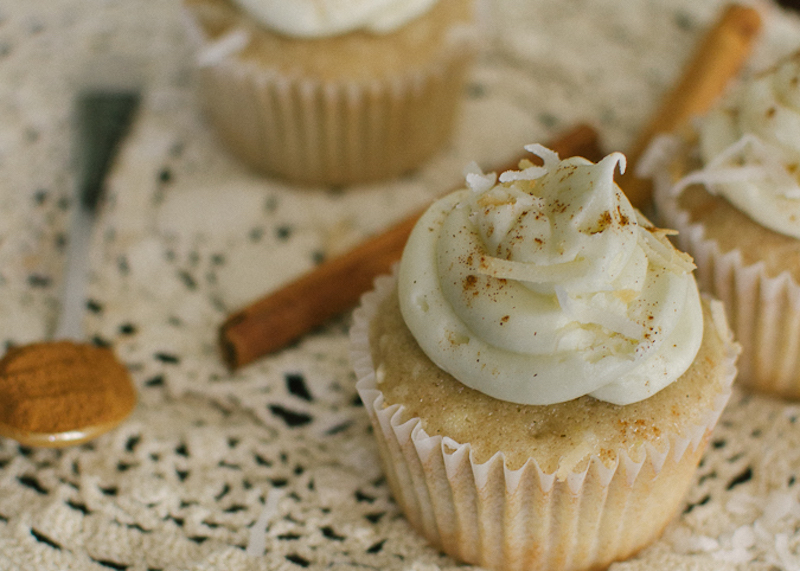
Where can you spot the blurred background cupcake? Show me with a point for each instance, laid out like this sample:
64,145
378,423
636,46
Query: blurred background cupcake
729,185
542,374
332,91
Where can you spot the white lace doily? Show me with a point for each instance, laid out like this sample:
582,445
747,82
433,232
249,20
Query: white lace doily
274,467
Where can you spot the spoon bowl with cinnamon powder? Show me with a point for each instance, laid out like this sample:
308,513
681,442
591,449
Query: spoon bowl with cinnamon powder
60,392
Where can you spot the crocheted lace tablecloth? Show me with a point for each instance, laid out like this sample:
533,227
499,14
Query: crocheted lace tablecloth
273,466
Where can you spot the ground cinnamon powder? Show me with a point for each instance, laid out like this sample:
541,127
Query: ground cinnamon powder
60,386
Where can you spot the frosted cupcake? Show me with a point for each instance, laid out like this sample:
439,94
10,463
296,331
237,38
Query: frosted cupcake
731,189
332,91
542,374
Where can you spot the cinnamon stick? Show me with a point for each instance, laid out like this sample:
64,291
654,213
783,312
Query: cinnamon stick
336,285
718,58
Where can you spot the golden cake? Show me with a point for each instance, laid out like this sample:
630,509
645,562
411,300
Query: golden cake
729,186
541,372
342,99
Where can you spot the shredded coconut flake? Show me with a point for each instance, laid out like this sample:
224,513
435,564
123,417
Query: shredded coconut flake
479,182
257,543
225,46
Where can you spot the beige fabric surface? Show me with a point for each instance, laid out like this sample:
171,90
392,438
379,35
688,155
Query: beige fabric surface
274,467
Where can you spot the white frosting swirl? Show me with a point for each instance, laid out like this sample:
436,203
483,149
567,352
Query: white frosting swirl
549,286
750,147
323,18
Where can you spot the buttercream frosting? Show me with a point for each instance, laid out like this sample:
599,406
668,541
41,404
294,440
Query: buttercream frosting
750,148
322,18
548,285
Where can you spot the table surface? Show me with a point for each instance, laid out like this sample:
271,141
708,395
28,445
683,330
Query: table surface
273,467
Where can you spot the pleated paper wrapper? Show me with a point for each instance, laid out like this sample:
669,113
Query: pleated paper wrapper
490,515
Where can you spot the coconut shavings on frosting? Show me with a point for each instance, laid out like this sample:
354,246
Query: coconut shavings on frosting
547,285
750,148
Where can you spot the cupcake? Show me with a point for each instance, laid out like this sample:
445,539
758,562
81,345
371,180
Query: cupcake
730,186
332,92
541,372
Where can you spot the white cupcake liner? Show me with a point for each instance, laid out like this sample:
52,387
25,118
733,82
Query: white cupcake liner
501,518
763,310
319,132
